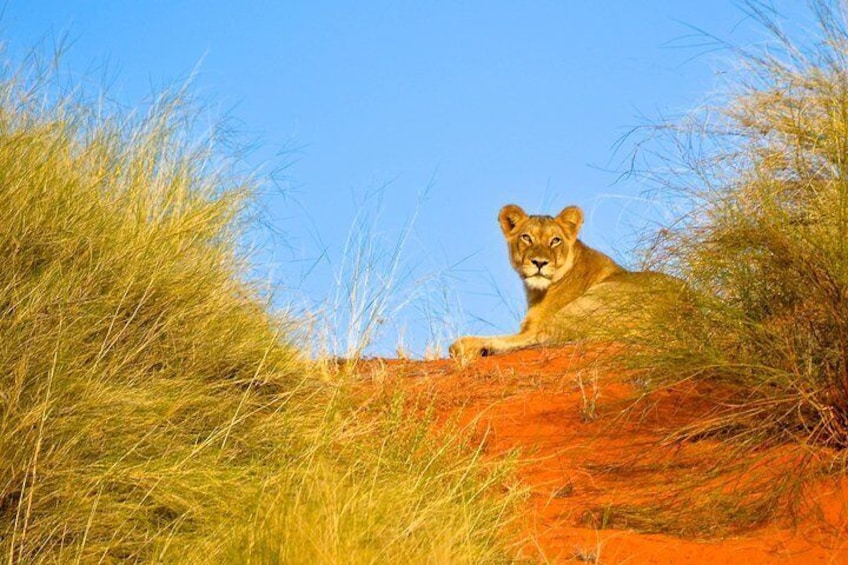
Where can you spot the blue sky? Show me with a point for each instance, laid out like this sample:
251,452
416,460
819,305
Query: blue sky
389,111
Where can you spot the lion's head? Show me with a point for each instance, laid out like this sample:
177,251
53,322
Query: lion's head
541,248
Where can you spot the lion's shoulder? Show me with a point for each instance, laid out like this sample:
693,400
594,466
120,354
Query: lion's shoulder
601,294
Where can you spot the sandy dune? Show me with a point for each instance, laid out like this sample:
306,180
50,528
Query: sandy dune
582,463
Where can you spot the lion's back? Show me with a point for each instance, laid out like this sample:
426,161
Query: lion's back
624,304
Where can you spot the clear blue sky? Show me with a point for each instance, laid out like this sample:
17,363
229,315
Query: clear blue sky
484,102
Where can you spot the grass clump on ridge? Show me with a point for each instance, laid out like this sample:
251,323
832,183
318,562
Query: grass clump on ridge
763,177
151,408
404,498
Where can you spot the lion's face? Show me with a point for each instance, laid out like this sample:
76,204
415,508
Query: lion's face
540,247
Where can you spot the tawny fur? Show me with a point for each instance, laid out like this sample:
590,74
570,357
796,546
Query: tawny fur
573,292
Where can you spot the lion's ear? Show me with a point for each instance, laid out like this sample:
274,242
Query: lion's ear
510,216
571,219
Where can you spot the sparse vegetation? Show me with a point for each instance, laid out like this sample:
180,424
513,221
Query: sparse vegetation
589,393
151,408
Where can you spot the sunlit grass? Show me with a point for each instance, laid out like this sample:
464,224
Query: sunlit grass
402,498
151,408
763,177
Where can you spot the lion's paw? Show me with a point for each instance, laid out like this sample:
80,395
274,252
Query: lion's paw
469,347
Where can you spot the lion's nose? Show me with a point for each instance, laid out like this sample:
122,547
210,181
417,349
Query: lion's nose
539,263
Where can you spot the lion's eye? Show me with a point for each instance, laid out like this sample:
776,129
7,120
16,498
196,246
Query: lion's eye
526,238
555,241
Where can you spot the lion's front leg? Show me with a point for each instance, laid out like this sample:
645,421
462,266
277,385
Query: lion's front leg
470,347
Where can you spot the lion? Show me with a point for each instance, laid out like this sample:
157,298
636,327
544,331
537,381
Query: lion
574,292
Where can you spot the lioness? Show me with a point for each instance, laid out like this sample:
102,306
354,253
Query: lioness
573,292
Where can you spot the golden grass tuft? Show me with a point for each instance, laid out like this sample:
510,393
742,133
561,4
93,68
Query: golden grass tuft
762,178
151,408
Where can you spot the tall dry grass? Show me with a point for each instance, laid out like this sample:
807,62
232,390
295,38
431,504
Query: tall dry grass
399,496
762,176
151,408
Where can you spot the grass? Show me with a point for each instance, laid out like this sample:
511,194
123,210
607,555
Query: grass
152,409
589,394
721,500
762,176
407,499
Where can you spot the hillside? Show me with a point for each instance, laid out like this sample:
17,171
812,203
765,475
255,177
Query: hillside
594,474
153,407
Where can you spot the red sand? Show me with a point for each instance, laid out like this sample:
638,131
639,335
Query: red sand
575,466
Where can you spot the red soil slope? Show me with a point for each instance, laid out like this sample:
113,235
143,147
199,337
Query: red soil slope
580,462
